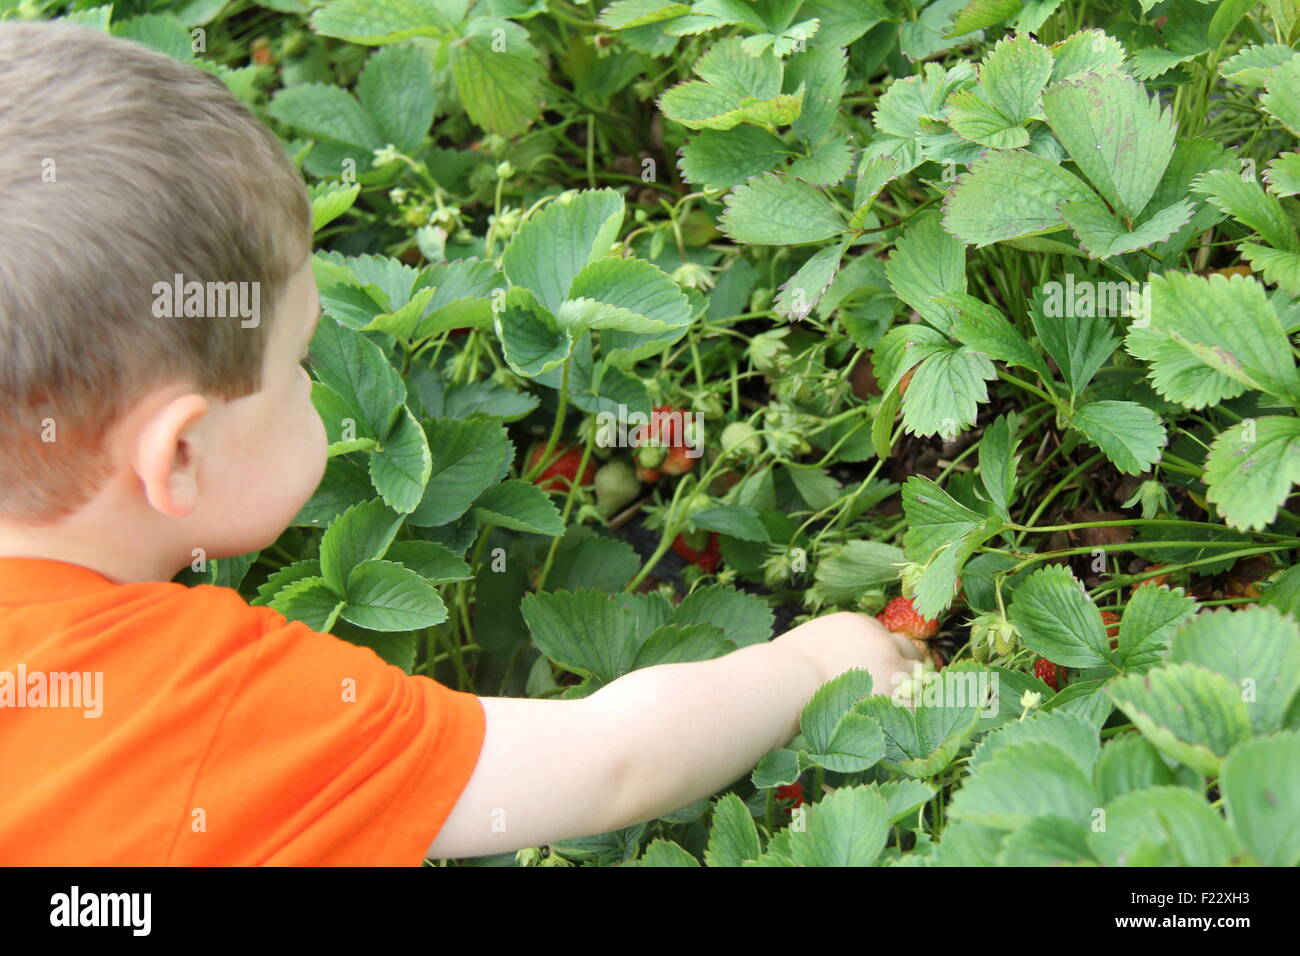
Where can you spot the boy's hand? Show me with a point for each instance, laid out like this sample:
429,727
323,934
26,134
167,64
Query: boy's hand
847,640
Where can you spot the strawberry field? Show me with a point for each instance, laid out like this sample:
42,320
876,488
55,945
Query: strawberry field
652,329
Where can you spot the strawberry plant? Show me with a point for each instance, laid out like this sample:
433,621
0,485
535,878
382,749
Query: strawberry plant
654,328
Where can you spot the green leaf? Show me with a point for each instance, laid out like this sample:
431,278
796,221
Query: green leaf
585,631
1150,619
985,329
1009,194
498,75
384,596
400,469
388,21
1281,98
803,290
396,88
735,520
556,244
1174,817
845,828
1128,433
638,289
1275,265
855,566
934,518
362,532
1253,65
827,165
719,160
326,112
1075,737
744,618
1251,468
282,578
1116,134
1247,202
1283,174
1011,83
519,506
357,371
1189,712
329,201
820,70
1057,620
874,174
662,852
1261,785
998,461
978,14
310,600
1257,649
532,339
946,392
1102,235
1023,781
1088,51
625,14
679,644
926,263
733,837
775,210
468,457
429,559
1225,324
1129,763
972,117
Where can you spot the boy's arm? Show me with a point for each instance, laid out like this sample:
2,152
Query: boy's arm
653,741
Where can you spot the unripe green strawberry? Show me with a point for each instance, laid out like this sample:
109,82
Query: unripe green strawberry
616,486
741,437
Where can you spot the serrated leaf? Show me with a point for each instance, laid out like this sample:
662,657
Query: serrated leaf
775,210
584,631
362,532
1012,78
498,74
983,328
1009,194
803,290
356,370
323,111
998,460
309,600
1118,136
519,506
845,828
1248,203
384,596
532,340
1250,470
1260,784
429,559
926,263
1023,781
468,457
1128,433
874,174
400,468
1254,64
820,70
733,837
946,392
743,618
367,22
1174,817
556,244
1283,174
1281,97
1151,617
396,88
1088,51
978,14
638,288
1188,712
718,159
329,201
1058,621
1102,235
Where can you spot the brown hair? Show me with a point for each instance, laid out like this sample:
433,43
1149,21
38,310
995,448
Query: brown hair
121,168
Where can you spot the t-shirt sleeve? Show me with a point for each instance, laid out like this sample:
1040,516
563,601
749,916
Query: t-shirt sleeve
328,755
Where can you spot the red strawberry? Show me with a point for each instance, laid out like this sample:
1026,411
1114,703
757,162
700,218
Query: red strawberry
707,560
1111,620
648,475
559,475
677,462
792,791
901,617
1049,673
261,52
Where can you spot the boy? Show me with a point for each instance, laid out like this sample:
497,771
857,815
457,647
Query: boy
191,728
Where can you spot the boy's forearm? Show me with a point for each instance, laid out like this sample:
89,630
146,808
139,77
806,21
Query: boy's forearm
691,729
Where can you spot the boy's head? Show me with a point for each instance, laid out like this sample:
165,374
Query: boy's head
186,422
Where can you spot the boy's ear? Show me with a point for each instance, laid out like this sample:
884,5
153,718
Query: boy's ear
165,455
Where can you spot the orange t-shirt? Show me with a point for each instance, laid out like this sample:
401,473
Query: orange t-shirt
226,734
